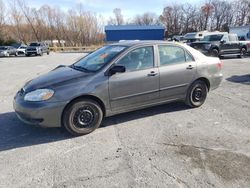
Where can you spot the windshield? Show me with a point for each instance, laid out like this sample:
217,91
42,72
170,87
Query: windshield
212,38
3,48
98,59
34,44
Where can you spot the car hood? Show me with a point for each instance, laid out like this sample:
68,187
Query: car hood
32,47
61,75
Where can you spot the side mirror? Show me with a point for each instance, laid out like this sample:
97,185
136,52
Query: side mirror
222,41
117,69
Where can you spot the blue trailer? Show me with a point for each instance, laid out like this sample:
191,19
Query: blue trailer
134,32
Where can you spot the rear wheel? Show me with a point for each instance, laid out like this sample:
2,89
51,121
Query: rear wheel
243,53
215,53
47,52
197,94
82,117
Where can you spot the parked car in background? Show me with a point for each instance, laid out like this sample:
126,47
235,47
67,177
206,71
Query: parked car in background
114,79
21,50
6,51
37,48
220,44
194,36
177,38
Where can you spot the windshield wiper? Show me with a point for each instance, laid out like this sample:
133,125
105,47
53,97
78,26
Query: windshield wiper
80,68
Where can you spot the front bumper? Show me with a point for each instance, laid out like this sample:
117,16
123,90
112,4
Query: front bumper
32,52
46,114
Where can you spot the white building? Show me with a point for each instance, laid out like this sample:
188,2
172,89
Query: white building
241,31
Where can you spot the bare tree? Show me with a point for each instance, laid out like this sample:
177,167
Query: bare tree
207,11
147,18
118,19
242,12
171,17
2,18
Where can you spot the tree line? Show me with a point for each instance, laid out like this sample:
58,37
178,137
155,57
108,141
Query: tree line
78,27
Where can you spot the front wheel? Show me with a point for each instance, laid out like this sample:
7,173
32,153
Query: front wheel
197,94
82,117
215,53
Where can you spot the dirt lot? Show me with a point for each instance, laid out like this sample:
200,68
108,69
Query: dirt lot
165,146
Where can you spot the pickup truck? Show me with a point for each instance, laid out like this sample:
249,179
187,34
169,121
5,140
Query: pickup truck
37,48
220,44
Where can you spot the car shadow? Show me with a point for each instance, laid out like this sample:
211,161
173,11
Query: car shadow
151,111
243,79
15,134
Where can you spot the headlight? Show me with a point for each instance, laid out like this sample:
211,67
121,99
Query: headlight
39,95
207,46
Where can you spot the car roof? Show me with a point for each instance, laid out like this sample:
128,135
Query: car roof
144,42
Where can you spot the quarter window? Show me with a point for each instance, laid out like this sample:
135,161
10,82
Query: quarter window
188,57
171,55
138,59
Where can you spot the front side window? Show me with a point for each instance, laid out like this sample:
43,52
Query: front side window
98,59
171,55
138,59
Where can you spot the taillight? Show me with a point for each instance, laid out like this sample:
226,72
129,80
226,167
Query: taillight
219,65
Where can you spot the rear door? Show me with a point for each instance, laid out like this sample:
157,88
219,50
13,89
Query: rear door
225,45
235,45
177,70
139,85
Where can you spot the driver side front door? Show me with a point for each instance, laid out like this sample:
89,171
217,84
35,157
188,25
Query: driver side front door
139,84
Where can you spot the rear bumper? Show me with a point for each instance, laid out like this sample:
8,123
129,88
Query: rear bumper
46,114
215,81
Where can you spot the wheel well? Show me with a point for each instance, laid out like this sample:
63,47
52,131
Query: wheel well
216,48
94,98
206,81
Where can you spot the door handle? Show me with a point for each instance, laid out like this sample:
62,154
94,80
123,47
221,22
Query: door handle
190,67
152,73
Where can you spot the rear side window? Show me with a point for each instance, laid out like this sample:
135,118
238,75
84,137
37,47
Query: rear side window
233,37
171,55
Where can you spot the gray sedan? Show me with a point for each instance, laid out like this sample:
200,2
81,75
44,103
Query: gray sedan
6,51
117,78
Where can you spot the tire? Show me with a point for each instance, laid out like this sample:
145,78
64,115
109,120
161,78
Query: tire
82,117
197,94
243,53
215,53
16,54
47,52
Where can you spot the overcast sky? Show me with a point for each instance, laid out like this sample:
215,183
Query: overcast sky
105,7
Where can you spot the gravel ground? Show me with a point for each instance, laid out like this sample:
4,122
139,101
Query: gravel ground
165,146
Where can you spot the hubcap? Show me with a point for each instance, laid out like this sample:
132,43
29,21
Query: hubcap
197,94
84,117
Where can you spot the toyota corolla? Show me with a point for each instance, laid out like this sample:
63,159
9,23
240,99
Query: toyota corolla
117,78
